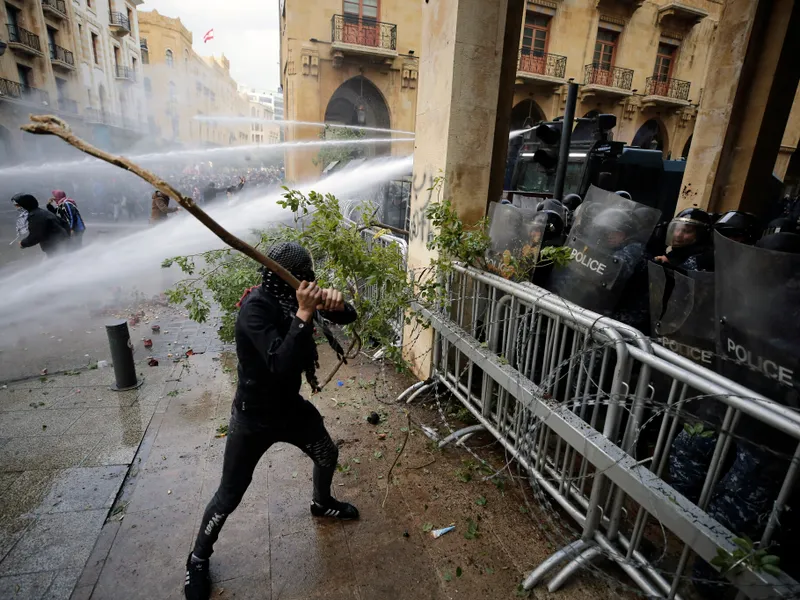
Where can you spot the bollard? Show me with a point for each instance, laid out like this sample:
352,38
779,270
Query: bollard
119,341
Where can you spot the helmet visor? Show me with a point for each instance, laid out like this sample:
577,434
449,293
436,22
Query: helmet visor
681,233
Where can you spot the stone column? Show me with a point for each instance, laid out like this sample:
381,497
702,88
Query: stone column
745,106
461,71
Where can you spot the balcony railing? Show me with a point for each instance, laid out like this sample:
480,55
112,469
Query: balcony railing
127,73
61,55
20,91
600,74
117,19
541,63
59,7
68,106
18,35
667,87
359,31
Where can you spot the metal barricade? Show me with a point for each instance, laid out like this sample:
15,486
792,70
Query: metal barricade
567,392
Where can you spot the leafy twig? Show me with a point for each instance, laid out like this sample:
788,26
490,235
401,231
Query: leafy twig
396,458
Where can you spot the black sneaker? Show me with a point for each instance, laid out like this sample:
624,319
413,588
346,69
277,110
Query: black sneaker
198,582
334,508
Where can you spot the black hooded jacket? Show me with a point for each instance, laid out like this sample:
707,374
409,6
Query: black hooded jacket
273,352
44,228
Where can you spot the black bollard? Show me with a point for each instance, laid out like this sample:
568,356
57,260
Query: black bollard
119,341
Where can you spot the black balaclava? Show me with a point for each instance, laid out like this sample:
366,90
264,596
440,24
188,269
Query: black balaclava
26,201
296,259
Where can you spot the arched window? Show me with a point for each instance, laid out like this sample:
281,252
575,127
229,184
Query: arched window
185,58
170,61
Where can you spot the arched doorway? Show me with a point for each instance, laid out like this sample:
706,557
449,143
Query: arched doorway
358,102
651,136
686,147
584,131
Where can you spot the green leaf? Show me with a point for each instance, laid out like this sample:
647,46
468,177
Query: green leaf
772,569
707,434
744,543
448,576
489,571
770,559
481,501
357,461
378,454
721,562
472,530
427,527
459,572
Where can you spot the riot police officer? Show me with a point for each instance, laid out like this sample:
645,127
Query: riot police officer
689,241
739,226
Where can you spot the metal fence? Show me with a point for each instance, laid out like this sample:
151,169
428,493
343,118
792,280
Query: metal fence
541,63
363,31
591,410
603,74
667,87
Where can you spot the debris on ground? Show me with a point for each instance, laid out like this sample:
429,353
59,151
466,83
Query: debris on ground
152,362
148,343
437,533
222,431
43,372
155,328
373,418
102,364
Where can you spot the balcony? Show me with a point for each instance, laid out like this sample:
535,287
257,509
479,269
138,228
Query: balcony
61,58
366,37
11,90
145,51
541,67
119,24
104,117
124,73
680,16
23,41
68,106
55,8
665,91
602,80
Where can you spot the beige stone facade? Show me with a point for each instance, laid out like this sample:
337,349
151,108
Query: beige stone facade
181,85
355,69
262,132
79,59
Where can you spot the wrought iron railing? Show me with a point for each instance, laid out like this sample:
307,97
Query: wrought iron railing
60,6
600,74
145,51
18,35
61,54
350,29
541,63
20,91
667,87
67,105
119,20
121,72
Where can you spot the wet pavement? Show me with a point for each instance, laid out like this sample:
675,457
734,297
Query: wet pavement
271,547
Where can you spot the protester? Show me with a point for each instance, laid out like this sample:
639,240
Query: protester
275,346
160,208
44,228
66,210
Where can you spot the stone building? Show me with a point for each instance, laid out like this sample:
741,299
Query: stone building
646,61
262,132
348,62
79,59
181,85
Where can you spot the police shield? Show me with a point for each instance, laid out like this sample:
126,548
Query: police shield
606,243
758,305
516,230
682,312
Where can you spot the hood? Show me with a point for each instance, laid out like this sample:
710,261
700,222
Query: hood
26,201
60,196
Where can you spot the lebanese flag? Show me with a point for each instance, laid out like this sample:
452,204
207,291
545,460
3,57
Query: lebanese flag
208,36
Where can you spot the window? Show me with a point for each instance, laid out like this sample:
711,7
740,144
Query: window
130,18
133,65
367,9
664,61
51,39
25,75
96,48
89,3
534,38
116,56
13,18
604,49
186,58
80,40
169,58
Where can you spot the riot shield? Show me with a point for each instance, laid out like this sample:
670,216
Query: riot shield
682,312
607,241
515,230
758,309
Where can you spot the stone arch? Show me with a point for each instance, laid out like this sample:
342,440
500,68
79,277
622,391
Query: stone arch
526,113
169,58
584,131
686,147
358,101
652,135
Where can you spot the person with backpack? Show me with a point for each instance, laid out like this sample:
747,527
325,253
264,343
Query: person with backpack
66,210
44,228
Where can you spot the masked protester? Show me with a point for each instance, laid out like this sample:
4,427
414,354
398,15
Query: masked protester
275,347
160,208
22,221
67,210
44,228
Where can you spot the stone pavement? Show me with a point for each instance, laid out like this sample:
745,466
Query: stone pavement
66,445
271,548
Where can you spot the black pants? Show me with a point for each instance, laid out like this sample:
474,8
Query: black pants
248,440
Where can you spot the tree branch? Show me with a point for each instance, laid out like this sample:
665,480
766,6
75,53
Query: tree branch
50,125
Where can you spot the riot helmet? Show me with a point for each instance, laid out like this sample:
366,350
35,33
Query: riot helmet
783,241
739,226
553,229
689,227
571,201
612,227
624,194
780,225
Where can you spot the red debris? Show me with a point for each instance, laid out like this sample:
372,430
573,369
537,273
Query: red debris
156,328
152,362
44,371
189,352
148,343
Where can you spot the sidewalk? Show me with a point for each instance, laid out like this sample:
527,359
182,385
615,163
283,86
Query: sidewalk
271,548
